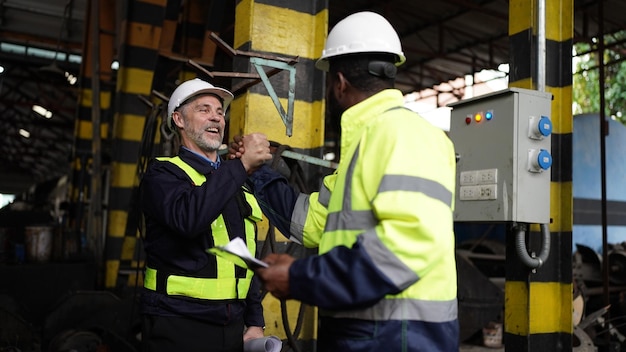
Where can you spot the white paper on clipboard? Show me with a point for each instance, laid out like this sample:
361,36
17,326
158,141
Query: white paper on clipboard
237,252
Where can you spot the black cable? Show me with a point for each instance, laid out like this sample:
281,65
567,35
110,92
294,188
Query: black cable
291,338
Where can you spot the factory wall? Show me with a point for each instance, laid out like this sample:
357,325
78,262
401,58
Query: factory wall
587,183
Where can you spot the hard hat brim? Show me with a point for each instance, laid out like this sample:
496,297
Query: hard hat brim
226,96
322,63
176,100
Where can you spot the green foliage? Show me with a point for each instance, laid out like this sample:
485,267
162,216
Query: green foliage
586,87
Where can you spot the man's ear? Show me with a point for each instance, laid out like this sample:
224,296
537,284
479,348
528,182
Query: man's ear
341,84
177,118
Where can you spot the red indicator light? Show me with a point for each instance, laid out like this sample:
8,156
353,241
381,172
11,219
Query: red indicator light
468,120
478,116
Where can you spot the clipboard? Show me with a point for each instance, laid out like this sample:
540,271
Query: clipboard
237,252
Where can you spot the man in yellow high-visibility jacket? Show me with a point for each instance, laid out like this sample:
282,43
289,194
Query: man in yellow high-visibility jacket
385,277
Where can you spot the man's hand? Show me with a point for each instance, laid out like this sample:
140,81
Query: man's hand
276,277
235,149
253,150
253,332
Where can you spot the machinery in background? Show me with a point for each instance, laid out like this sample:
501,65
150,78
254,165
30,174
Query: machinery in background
594,320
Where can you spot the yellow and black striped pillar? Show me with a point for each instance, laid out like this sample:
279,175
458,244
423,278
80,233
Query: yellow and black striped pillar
538,304
283,28
138,56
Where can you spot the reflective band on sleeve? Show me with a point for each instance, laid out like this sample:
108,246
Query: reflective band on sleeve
324,196
298,217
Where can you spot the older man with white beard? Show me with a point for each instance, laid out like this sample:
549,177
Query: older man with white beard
193,301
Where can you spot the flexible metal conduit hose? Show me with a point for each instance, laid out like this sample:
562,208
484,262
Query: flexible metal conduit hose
520,246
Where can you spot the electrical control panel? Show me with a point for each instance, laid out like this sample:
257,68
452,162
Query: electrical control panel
502,141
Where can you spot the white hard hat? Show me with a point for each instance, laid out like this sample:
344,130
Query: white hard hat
362,32
191,88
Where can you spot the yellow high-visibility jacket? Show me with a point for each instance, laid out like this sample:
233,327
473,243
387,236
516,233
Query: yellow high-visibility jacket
383,224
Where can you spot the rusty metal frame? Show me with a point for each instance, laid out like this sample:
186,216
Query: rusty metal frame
278,64
258,61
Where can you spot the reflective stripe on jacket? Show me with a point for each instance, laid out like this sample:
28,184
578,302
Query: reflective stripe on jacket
226,285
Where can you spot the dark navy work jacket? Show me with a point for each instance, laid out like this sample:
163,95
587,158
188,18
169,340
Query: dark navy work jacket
178,217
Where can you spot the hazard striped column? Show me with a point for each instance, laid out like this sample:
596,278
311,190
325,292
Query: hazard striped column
138,57
283,28
538,304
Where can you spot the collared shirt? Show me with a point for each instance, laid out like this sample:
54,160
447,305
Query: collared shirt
214,164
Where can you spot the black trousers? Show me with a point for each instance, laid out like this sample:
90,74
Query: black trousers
176,334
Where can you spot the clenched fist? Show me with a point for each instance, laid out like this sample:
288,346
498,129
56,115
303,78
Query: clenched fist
253,149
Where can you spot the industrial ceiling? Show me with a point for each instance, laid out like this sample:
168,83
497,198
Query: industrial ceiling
442,40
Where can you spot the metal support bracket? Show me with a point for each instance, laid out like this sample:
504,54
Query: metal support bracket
287,116
309,159
258,60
